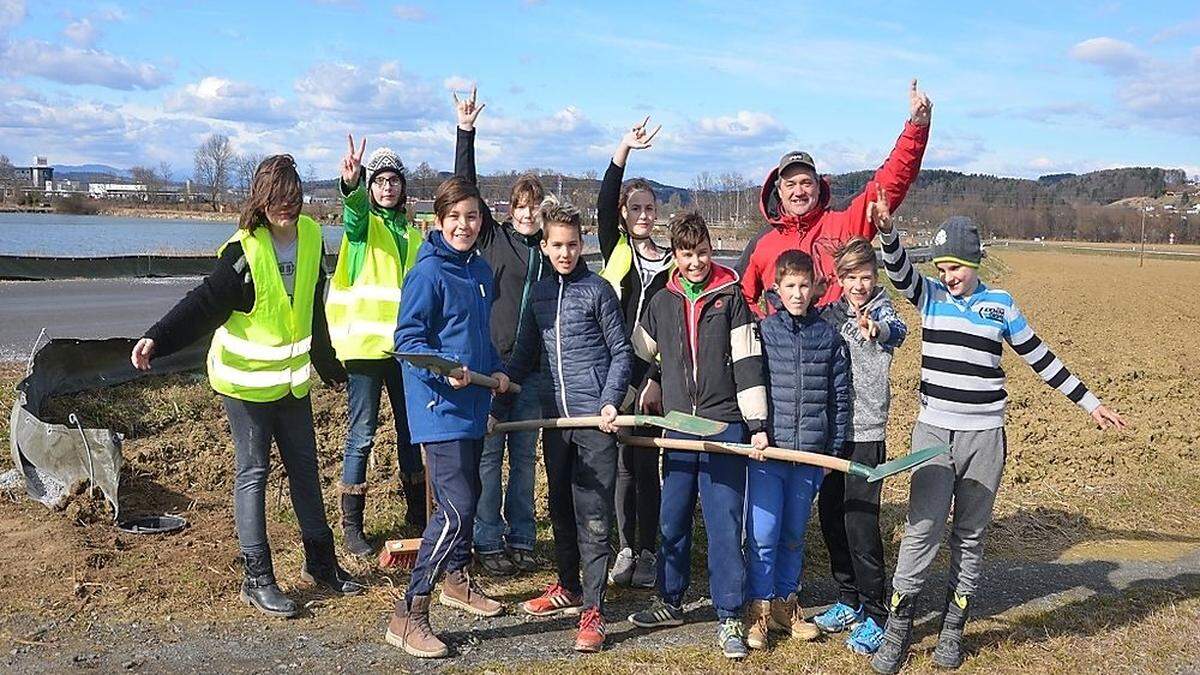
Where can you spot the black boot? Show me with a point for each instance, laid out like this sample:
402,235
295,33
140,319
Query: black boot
413,486
354,500
260,591
321,567
949,652
897,636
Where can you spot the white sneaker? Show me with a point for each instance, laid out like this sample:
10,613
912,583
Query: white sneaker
622,569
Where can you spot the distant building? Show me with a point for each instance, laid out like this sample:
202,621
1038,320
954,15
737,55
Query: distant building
117,190
36,176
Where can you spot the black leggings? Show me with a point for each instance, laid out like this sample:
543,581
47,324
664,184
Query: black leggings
639,489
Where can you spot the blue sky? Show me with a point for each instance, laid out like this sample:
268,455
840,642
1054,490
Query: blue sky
1019,88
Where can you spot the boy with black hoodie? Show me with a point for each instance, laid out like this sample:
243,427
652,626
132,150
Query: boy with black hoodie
712,367
574,327
505,529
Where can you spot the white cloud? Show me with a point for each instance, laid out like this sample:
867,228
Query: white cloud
71,65
222,99
457,83
82,32
354,93
12,12
410,13
1113,56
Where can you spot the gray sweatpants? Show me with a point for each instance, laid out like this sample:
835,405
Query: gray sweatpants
968,476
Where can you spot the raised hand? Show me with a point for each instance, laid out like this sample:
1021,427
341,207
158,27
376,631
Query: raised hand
867,328
878,211
352,163
637,138
468,110
920,108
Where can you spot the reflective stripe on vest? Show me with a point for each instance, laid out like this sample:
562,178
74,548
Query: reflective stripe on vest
263,355
362,314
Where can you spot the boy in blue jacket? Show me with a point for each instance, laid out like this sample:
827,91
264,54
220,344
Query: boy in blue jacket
576,323
808,409
447,311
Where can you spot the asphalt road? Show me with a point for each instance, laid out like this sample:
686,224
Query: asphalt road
84,308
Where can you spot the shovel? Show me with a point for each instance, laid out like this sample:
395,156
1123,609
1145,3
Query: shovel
872,474
674,421
444,366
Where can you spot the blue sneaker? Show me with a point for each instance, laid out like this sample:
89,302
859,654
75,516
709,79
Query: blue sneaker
731,638
838,618
865,638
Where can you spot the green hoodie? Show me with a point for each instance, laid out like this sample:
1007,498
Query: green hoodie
356,214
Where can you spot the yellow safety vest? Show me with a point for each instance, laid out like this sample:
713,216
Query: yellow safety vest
362,314
262,355
619,262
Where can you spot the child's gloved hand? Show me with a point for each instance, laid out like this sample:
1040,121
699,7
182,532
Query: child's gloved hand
609,415
760,443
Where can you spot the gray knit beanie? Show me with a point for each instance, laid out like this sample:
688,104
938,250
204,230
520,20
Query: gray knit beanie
957,240
383,159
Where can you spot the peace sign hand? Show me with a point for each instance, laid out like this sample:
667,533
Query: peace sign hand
352,163
637,138
467,109
878,211
920,108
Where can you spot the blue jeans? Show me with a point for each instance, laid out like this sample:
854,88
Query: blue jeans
720,483
780,497
517,528
367,379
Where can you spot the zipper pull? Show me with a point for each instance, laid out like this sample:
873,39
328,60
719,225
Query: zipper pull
482,293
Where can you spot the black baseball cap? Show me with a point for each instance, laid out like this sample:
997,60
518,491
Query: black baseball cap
797,157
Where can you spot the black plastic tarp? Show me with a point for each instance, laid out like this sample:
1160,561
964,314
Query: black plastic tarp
75,452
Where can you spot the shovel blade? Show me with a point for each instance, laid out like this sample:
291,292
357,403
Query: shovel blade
688,424
909,461
433,362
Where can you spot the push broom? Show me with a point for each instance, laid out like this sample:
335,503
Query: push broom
872,474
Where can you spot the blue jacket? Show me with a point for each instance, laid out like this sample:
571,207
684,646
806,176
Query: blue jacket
446,310
809,382
576,323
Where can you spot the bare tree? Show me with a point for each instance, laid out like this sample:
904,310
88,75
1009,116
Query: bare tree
424,171
214,164
146,176
165,172
244,168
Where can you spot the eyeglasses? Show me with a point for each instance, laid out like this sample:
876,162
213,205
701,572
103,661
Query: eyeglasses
388,181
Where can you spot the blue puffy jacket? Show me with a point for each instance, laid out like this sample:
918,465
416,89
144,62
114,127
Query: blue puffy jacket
808,371
576,323
446,310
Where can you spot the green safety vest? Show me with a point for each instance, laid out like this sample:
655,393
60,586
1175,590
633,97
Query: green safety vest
362,313
262,355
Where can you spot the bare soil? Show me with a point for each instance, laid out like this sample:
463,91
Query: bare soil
1094,556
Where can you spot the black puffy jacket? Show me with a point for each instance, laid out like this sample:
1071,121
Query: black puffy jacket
575,322
808,369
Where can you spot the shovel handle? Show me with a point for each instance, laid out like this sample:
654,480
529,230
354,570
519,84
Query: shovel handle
563,423
491,382
797,456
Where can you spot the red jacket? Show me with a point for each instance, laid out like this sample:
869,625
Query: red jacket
820,231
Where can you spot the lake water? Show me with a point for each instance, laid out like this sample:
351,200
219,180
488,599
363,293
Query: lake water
52,234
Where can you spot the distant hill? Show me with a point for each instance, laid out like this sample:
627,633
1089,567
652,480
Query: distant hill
103,169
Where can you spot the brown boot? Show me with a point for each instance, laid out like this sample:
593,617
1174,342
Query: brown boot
409,629
758,614
788,617
460,591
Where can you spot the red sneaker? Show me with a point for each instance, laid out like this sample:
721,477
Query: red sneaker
556,600
591,632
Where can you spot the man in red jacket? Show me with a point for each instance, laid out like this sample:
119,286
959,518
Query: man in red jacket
795,204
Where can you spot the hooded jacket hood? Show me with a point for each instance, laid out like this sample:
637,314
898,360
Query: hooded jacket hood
772,211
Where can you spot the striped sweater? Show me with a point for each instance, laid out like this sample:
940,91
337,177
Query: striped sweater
962,384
